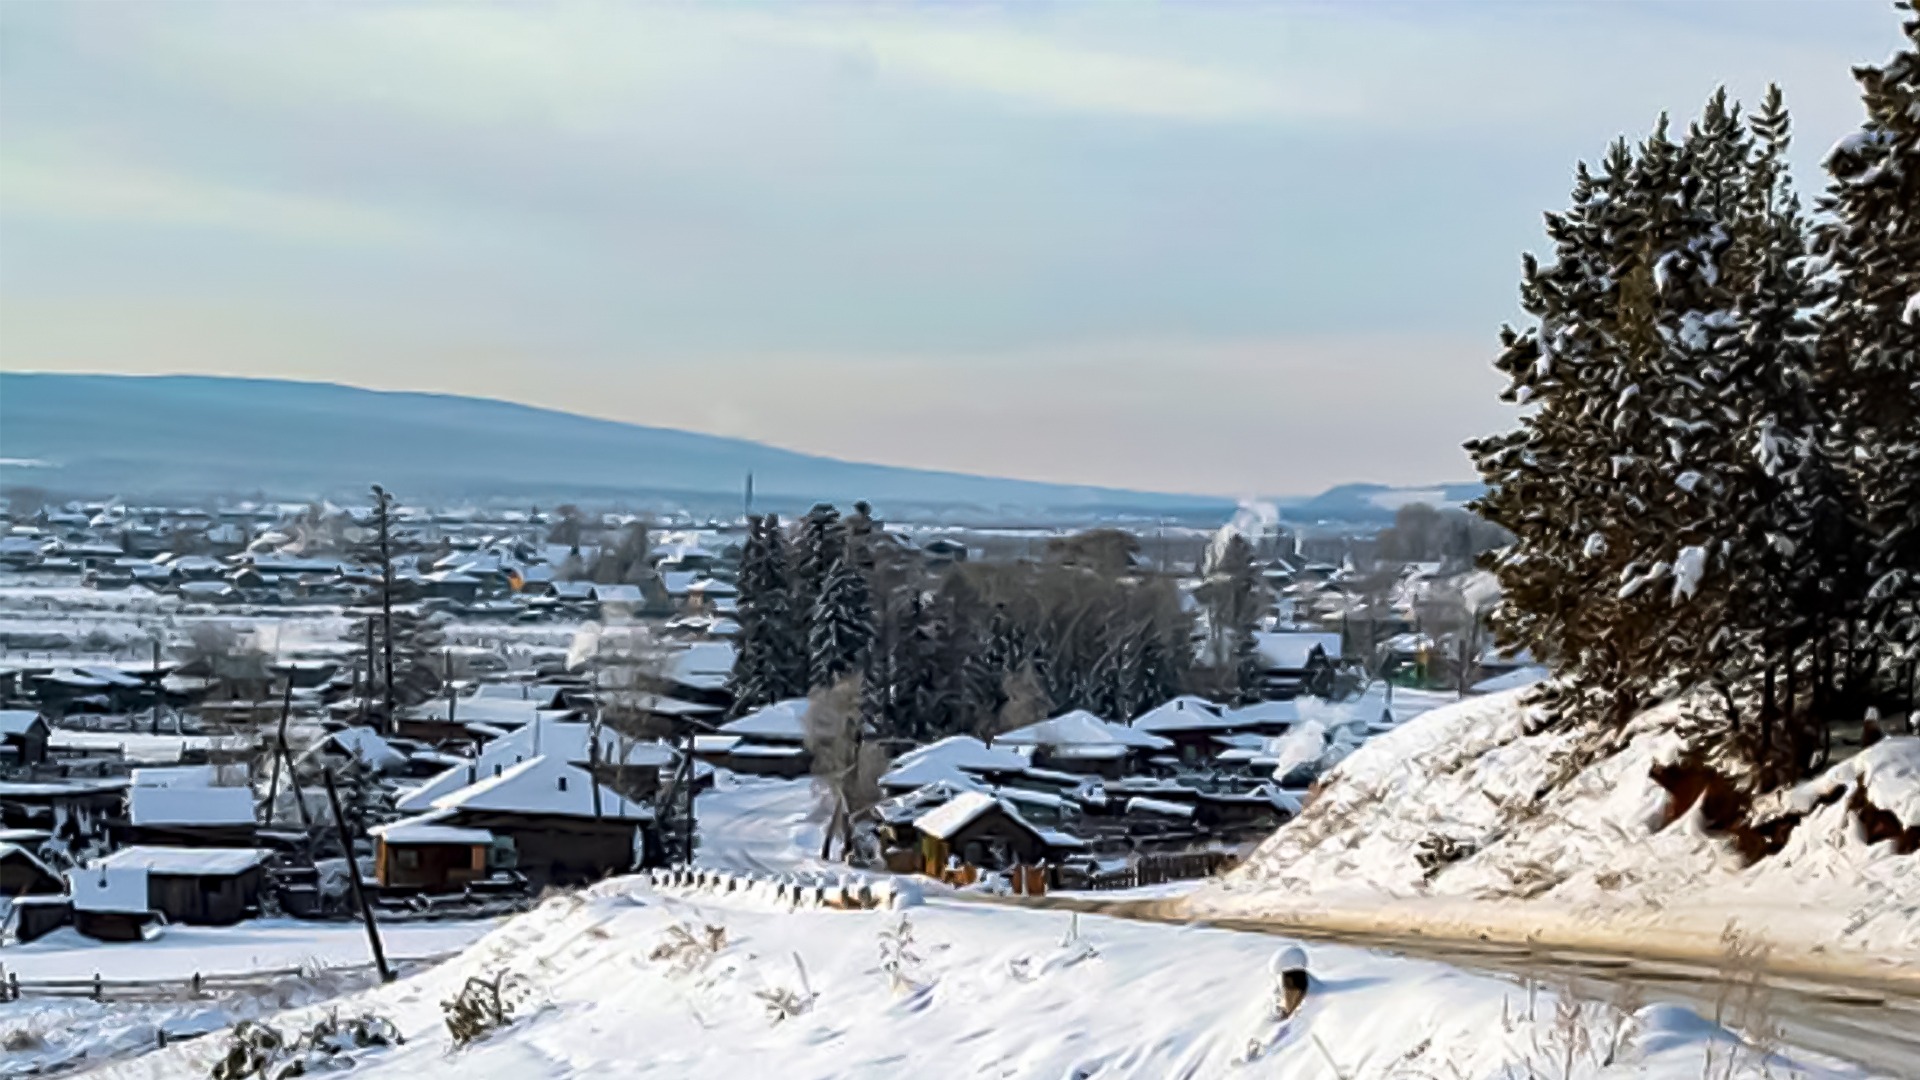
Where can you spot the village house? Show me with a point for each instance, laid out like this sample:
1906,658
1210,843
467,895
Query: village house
960,760
769,741
423,853
982,830
194,817
1293,663
564,829
23,737
192,886
23,874
1082,743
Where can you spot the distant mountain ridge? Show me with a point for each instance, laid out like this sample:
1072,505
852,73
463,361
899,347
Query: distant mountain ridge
193,435
201,435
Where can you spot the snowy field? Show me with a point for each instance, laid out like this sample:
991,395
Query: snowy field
982,991
259,945
1437,826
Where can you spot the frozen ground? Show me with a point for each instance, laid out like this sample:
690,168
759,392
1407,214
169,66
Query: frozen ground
984,991
293,963
260,945
1441,827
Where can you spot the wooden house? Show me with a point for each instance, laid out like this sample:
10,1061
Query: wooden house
193,886
424,853
23,737
769,741
23,874
563,828
196,817
979,829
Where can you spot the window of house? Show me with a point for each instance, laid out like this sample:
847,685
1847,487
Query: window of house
407,860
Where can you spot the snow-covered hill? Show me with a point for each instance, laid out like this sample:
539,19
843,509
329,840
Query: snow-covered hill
976,991
1442,825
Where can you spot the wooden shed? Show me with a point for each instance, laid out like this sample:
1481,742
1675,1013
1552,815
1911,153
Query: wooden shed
23,874
426,854
194,886
23,736
979,830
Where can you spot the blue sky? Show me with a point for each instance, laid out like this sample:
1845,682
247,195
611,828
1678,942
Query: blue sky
1234,248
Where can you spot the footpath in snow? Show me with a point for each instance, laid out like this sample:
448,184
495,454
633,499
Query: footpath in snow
1441,827
622,980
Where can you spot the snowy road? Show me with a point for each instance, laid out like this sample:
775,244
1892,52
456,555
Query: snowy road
1873,1022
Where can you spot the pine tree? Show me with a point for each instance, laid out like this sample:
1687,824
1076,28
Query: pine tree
841,627
1869,250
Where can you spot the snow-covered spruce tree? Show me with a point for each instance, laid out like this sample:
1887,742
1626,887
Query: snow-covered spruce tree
818,540
1868,250
752,680
841,627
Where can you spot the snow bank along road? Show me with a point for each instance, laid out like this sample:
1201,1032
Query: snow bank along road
1872,1018
624,980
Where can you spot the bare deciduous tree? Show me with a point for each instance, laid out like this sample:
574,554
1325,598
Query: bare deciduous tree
846,768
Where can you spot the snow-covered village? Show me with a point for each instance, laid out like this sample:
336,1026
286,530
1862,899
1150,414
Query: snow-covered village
685,541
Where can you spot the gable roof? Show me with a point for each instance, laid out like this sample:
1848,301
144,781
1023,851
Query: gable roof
953,759
552,736
783,720
190,806
18,721
1291,650
546,786
962,810
1186,713
1082,728
186,862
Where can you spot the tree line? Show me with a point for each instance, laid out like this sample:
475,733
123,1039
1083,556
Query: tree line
1715,482
979,648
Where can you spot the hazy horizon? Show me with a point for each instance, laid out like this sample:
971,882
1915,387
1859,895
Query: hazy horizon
1227,250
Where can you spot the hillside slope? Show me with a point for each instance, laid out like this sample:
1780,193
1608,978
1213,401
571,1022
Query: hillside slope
108,434
980,991
1468,821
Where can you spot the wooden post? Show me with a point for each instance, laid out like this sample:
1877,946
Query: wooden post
353,878
273,785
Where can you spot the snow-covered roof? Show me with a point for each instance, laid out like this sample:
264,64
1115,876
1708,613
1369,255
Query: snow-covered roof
784,720
17,721
1265,712
101,888
1289,650
185,862
545,786
175,776
429,828
949,818
362,744
702,664
617,594
951,759
190,806
567,740
498,711
1185,713
1158,806
15,851
1081,728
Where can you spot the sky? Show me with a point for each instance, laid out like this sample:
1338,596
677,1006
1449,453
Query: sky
1227,248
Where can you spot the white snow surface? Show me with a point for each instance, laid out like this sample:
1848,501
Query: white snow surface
980,991
1590,857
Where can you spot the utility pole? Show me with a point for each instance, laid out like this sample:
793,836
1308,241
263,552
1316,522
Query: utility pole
158,691
381,511
366,691
353,877
280,752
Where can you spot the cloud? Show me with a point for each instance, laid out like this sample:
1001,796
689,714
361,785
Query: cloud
1048,74
119,194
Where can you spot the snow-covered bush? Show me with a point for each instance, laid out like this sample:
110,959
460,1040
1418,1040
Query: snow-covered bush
482,1007
256,1049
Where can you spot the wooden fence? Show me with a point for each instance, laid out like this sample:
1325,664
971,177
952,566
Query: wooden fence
1160,869
192,986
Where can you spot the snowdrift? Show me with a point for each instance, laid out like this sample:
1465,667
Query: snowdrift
622,980
1467,820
